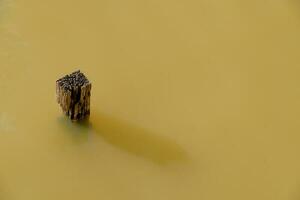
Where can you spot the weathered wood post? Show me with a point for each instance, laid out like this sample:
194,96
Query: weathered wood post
73,93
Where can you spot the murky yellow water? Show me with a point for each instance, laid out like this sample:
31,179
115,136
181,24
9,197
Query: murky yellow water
191,100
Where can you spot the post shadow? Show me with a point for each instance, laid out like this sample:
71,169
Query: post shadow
128,137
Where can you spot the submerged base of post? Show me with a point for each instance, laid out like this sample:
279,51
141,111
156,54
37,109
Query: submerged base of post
73,93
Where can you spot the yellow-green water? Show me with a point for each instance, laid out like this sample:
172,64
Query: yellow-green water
195,100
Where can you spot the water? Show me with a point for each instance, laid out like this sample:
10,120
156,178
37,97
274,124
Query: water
190,100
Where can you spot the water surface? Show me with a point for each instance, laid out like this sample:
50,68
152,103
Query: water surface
190,100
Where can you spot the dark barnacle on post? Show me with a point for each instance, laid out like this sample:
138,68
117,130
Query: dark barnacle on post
73,93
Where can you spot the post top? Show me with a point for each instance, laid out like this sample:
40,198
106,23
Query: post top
75,79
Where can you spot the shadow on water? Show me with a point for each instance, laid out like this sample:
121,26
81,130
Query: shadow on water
127,137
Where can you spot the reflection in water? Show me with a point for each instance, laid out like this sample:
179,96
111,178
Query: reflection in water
130,138
79,132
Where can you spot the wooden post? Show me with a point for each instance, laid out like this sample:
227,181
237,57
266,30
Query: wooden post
73,93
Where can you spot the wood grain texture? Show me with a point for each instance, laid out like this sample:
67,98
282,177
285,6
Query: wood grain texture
73,93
